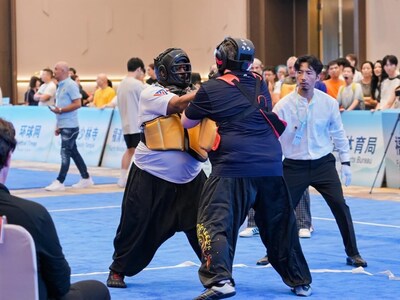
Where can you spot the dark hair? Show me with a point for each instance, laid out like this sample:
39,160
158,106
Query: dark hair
72,70
389,58
151,66
109,83
134,63
353,70
312,61
7,141
50,71
32,82
342,61
376,81
332,63
273,70
195,78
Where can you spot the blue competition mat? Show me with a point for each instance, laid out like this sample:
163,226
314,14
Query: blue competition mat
30,179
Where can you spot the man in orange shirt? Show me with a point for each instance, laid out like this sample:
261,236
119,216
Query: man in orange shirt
334,83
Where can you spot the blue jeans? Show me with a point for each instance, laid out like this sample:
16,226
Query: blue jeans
68,150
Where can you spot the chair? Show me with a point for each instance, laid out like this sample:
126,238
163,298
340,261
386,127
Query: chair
18,270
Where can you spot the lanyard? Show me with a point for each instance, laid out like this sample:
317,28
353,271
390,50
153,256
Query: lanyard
300,130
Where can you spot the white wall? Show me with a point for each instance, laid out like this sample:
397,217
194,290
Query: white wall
383,28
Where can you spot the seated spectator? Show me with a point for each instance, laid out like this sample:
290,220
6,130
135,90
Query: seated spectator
104,94
34,84
54,273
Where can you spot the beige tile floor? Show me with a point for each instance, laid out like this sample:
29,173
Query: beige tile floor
352,191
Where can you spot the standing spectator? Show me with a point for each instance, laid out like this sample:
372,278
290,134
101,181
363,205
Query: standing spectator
54,273
257,66
128,104
390,83
289,83
314,124
34,85
47,91
350,96
239,180
367,68
164,187
334,82
85,95
68,101
152,75
105,93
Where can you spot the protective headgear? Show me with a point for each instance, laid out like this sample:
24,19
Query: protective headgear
244,55
172,67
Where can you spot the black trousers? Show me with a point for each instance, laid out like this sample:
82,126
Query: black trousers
322,175
224,205
87,290
153,210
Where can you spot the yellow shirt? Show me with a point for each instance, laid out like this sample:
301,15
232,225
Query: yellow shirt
103,96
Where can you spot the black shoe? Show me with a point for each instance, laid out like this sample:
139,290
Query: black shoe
356,261
217,292
263,261
115,280
302,290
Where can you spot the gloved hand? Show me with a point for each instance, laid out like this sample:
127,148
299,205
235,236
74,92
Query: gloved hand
346,175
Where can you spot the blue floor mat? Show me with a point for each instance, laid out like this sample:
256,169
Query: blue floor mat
30,179
86,225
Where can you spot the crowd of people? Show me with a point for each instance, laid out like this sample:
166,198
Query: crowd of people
293,111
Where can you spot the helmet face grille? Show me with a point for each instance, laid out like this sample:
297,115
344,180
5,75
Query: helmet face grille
173,68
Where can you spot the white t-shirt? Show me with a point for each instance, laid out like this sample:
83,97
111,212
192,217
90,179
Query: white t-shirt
128,103
48,89
173,166
387,89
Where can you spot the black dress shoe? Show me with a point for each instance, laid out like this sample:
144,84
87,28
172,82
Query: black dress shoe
263,261
356,261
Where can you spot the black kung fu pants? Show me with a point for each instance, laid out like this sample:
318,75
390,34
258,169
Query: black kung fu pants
223,208
153,210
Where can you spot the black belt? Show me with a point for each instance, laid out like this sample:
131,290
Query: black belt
142,138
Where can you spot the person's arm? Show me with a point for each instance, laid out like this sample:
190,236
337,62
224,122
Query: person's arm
354,104
390,101
177,104
54,268
188,123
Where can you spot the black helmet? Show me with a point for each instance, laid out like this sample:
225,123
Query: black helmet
173,67
243,59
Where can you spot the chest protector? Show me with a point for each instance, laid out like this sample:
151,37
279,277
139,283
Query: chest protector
167,133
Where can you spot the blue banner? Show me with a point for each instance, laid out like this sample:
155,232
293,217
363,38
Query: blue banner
93,129
115,145
389,120
34,129
364,131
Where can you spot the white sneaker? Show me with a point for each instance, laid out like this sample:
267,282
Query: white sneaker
304,233
83,183
55,186
121,182
249,232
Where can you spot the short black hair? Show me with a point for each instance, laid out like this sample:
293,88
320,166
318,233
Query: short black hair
7,141
389,58
72,70
48,70
342,61
134,63
312,61
353,70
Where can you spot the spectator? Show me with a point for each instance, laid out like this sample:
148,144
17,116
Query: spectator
334,82
152,75
367,68
353,60
85,95
389,83
47,91
54,273
350,96
377,77
105,93
34,85
196,80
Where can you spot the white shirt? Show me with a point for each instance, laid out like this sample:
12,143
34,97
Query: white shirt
322,125
171,165
128,103
48,89
387,89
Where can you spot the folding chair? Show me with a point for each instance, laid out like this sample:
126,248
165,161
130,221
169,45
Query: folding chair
18,270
